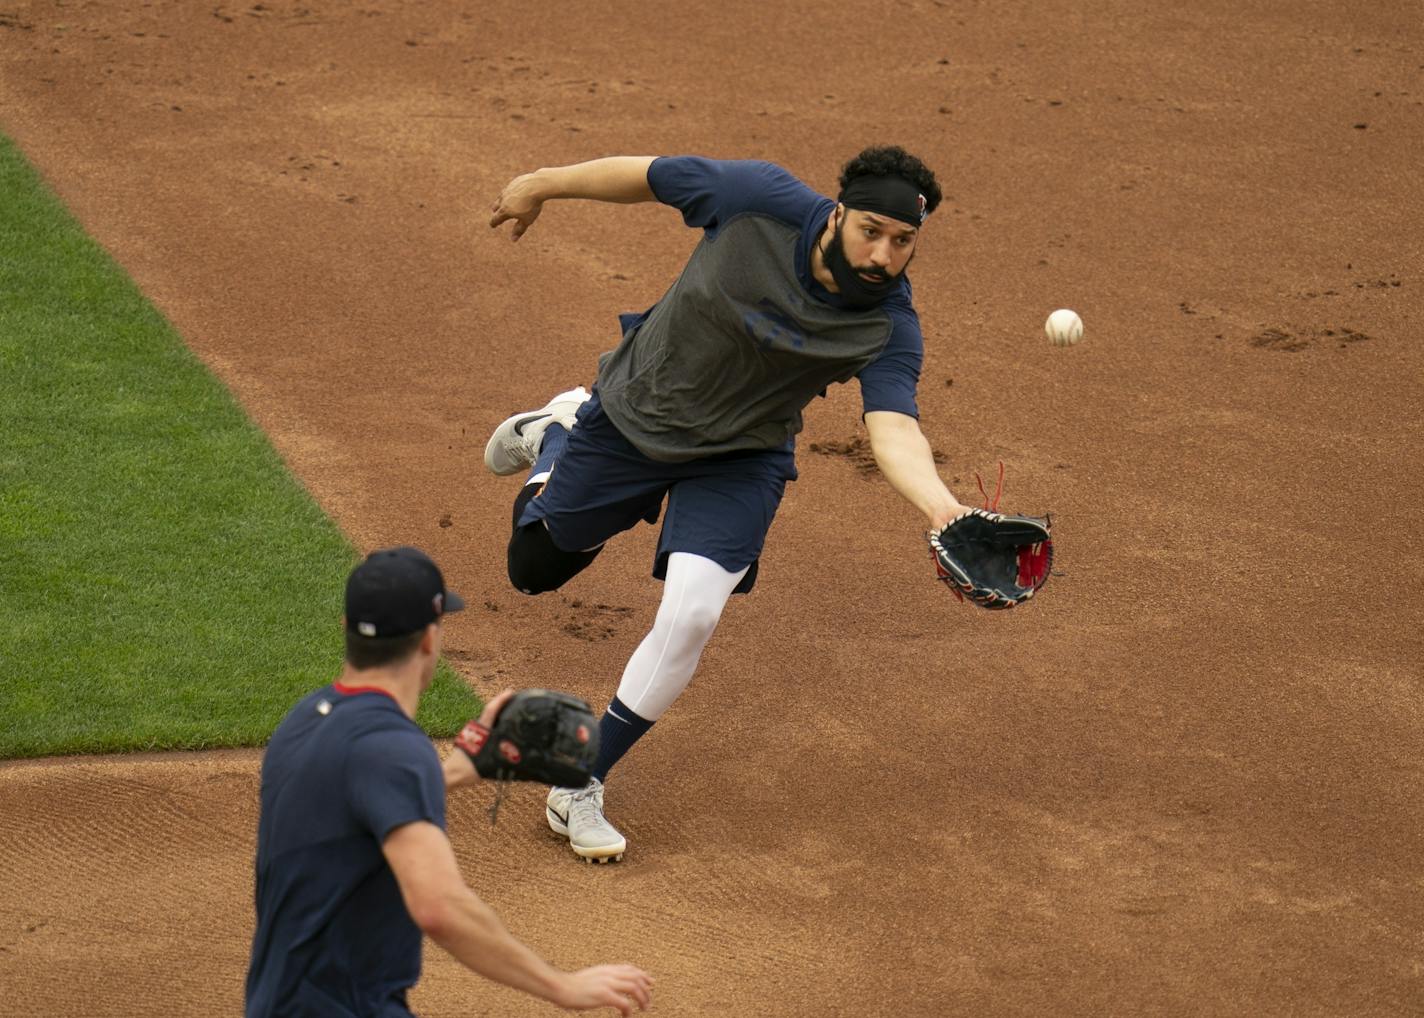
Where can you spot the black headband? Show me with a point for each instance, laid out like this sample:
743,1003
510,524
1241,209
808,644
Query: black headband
895,197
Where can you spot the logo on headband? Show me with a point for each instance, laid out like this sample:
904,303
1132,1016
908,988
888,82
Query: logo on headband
923,205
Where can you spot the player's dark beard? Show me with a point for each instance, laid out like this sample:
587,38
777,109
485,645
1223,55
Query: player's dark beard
855,289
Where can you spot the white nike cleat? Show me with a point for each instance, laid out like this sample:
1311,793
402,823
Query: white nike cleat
514,446
577,813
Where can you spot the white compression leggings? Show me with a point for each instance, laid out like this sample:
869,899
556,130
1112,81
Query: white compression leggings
695,591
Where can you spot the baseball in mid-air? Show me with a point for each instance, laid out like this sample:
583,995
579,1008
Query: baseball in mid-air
1064,327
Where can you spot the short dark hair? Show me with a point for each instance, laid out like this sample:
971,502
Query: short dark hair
893,161
364,652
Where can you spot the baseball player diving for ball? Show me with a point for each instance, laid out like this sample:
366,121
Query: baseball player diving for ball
787,292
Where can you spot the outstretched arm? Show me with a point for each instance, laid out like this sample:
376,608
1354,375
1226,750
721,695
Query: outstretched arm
453,916
903,455
622,179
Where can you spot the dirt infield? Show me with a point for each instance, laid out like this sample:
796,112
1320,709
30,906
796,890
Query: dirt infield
1185,781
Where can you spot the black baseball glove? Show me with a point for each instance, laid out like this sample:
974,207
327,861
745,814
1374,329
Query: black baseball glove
994,560
540,735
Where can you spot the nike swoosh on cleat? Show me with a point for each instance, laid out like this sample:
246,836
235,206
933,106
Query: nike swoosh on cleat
519,424
563,819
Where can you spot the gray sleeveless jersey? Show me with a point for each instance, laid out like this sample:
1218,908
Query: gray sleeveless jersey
734,351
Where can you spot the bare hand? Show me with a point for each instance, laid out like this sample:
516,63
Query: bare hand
618,986
494,706
942,516
519,201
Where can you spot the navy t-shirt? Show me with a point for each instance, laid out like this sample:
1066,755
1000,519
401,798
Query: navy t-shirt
344,769
710,193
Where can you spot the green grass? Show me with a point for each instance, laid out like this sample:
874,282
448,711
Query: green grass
164,582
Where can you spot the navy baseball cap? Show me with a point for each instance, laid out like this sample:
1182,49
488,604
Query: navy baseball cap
396,591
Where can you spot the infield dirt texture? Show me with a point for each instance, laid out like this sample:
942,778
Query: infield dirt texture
1184,781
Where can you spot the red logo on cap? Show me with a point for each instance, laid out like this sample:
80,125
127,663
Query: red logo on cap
439,602
923,205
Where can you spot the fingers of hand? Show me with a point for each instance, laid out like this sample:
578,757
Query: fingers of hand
494,706
624,1002
638,986
644,990
626,985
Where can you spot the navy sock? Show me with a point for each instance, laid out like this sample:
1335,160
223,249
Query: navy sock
618,729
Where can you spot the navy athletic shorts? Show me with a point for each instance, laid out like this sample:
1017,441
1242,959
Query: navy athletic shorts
719,507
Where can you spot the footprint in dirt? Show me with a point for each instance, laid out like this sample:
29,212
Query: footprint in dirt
1294,342
470,663
593,622
858,453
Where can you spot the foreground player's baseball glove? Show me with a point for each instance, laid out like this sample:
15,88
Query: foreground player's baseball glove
540,735
994,560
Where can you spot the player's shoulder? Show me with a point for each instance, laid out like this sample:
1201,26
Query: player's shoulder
371,718
382,746
905,336
901,308
374,721
725,188
305,713
711,171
